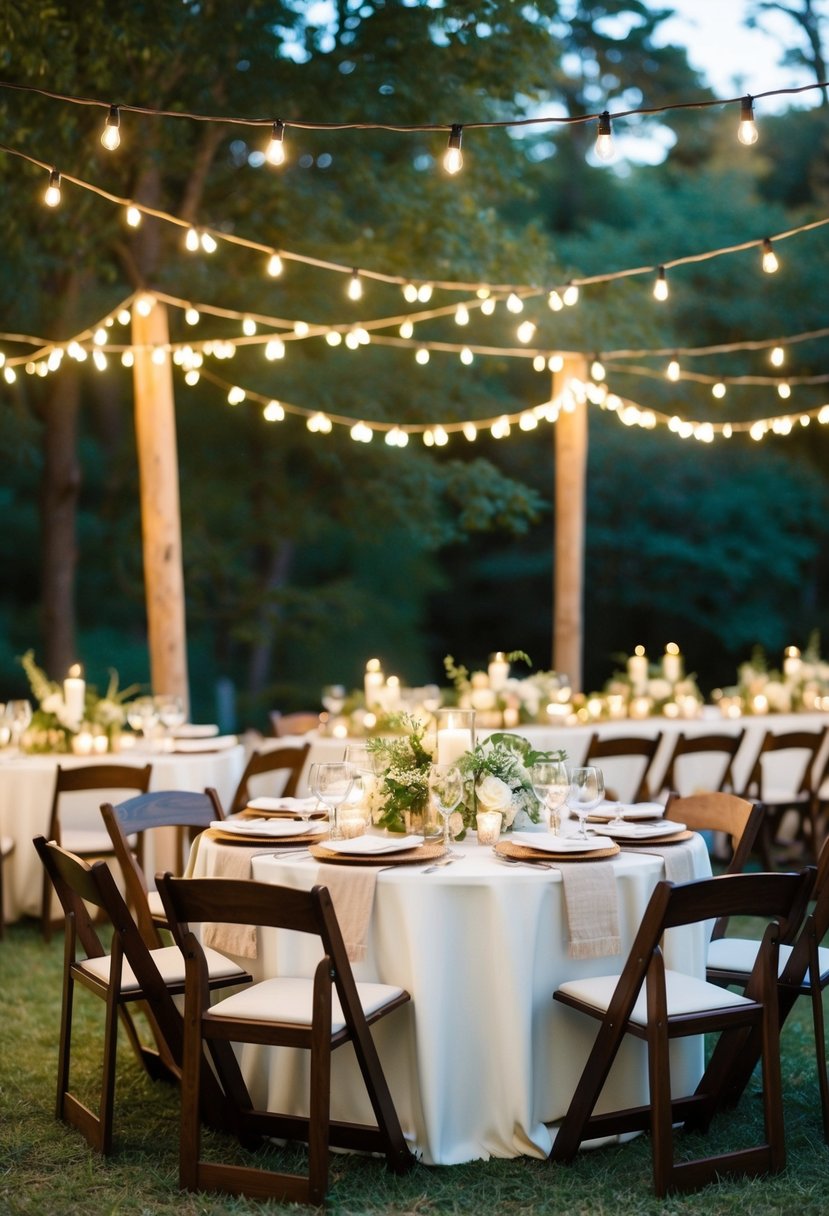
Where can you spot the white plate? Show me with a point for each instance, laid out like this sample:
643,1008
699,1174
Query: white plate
267,827
216,743
196,730
549,843
643,831
368,846
283,804
630,810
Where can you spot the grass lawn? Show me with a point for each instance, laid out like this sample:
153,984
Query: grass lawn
46,1169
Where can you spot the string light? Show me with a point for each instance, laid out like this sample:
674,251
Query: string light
770,262
248,327
275,266
488,307
208,242
111,136
514,303
424,293
605,148
466,356
660,287
453,157
570,295
461,315
597,370
355,286
409,293
52,196
191,240
192,315
275,349
673,371
525,332
133,217
777,356
406,330
273,412
784,390
747,131
555,301
275,151
422,356
718,390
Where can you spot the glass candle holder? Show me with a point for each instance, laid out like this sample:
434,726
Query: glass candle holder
489,827
455,734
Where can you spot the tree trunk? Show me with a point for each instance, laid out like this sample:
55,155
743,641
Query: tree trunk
570,495
59,492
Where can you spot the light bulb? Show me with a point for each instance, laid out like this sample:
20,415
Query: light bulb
275,349
747,131
9,375
273,412
784,390
355,287
673,371
275,266
514,303
453,157
248,327
571,295
770,262
461,315
424,293
555,301
275,151
52,196
777,356
100,336
525,332
406,329
191,240
422,355
718,390
409,293
133,216
301,329
100,360
660,287
466,356
333,337
597,371
208,243
488,306
111,136
605,149
192,316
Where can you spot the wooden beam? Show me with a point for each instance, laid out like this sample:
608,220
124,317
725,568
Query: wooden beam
570,440
155,428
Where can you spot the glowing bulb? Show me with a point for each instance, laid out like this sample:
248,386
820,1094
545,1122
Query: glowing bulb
355,286
159,356
133,216
100,336
191,377
660,287
192,316
570,295
784,390
352,339
208,244
777,356
301,329
144,305
191,240
770,262
248,327
597,371
555,363
100,360
424,293
409,293
605,149
111,136
470,431
747,131
525,332
555,301
466,356
461,315
488,307
52,196
514,303
275,349
406,329
9,375
539,363
333,337
673,370
275,151
236,395
273,412
275,266
453,157
124,317
422,355
718,390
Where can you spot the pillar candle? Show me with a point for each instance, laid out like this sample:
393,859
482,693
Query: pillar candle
498,671
638,670
373,683
672,663
74,693
452,743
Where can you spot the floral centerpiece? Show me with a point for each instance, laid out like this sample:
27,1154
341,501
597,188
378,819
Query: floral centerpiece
501,698
498,770
801,684
399,795
55,724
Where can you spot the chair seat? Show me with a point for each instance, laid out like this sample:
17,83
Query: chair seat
6,845
86,843
738,954
685,994
288,999
783,797
156,906
170,963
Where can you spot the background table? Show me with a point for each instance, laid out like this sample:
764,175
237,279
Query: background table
27,786
483,1060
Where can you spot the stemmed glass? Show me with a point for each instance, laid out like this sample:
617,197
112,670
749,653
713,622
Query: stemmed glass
171,714
446,792
332,784
586,792
142,715
333,698
551,786
19,717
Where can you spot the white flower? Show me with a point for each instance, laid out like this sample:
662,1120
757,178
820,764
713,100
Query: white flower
483,698
660,689
53,704
779,697
494,794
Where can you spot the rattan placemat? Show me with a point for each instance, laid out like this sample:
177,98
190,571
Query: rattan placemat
423,852
644,841
523,853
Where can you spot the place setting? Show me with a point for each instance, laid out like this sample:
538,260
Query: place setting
266,807
287,832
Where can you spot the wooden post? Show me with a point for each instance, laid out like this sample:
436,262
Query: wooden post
570,439
155,428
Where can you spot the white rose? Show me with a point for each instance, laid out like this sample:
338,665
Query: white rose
494,794
53,704
482,698
659,689
779,697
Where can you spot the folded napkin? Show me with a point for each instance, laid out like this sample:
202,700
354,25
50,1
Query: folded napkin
195,730
643,831
592,907
370,846
352,893
549,842
232,862
627,810
277,828
216,743
294,805
678,859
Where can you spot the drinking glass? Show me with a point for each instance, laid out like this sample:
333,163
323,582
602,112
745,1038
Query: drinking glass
332,784
586,792
19,716
171,714
446,792
551,785
333,697
142,715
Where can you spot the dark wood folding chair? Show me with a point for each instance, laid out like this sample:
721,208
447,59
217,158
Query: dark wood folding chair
131,976
6,850
721,747
738,818
90,843
676,1005
317,1015
291,760
799,795
625,747
186,811
803,971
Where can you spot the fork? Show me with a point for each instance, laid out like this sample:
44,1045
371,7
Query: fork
517,861
436,865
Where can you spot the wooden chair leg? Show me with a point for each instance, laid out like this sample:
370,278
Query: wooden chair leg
772,1078
659,1079
320,1095
107,1105
64,1048
190,1136
818,1024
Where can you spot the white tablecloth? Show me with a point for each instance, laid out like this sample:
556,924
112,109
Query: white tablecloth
27,786
483,1060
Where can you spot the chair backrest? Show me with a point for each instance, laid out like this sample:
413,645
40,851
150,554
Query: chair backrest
160,809
293,724
722,745
624,747
739,818
805,745
291,760
87,777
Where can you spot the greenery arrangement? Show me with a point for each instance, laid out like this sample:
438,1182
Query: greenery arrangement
499,775
52,727
400,794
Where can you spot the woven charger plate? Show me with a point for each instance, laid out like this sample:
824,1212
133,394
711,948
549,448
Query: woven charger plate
522,853
673,838
423,852
251,812
275,842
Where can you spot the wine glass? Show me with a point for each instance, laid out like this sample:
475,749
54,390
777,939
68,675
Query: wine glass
142,715
446,792
170,710
19,716
333,698
332,784
586,792
551,786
